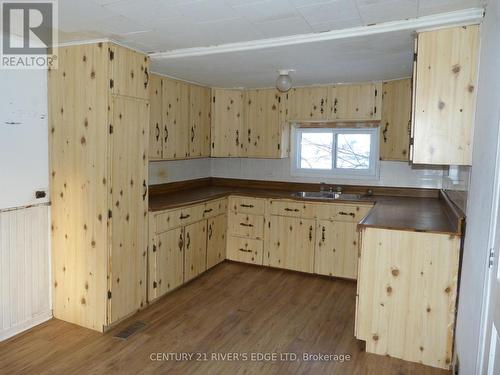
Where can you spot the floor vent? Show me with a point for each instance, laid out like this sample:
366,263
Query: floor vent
130,330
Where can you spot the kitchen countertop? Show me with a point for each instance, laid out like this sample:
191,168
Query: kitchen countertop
389,212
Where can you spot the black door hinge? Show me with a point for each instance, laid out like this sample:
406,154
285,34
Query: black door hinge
155,284
111,55
414,57
376,92
109,294
111,83
110,129
154,248
110,214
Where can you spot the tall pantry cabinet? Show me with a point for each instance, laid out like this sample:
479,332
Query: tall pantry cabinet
99,119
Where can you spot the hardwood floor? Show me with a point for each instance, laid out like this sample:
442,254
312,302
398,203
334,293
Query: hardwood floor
233,308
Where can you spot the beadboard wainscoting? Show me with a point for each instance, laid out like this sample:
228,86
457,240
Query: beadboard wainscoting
24,269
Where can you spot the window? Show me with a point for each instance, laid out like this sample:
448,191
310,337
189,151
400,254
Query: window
333,152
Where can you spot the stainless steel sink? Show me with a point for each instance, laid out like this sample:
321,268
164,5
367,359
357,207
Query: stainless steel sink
326,195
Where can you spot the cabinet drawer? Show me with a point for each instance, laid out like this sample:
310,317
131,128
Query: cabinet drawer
181,216
247,205
214,208
246,225
245,250
293,209
351,213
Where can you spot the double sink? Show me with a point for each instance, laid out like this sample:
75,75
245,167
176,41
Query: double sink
328,195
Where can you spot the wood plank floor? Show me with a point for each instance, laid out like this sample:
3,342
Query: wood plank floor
233,308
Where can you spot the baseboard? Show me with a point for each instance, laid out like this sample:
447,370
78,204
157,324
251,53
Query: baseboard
19,328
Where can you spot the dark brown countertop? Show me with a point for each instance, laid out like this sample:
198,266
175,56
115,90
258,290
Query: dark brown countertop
425,214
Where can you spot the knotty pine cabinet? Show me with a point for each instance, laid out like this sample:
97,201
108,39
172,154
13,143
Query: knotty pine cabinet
183,243
266,129
98,121
227,129
444,99
292,242
406,294
309,104
179,119
396,120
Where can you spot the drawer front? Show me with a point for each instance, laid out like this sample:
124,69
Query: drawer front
351,213
215,207
293,209
246,225
179,217
247,205
245,250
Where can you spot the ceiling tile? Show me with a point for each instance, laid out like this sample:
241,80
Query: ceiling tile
207,10
144,10
77,15
119,25
264,11
327,12
284,27
427,7
336,25
373,11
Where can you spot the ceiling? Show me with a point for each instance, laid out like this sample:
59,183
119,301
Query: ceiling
164,25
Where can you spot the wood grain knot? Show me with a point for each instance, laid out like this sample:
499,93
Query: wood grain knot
395,272
441,104
83,302
447,290
375,337
456,68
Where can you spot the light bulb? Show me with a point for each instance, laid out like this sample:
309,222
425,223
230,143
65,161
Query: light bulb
284,81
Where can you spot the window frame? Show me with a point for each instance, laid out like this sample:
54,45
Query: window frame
371,173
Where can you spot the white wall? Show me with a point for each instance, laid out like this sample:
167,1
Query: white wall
24,157
391,173
479,206
24,232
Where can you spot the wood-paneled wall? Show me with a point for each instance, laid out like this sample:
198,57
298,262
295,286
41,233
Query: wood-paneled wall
24,269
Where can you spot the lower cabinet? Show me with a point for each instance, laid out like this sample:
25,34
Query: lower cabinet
244,250
291,244
336,249
169,260
195,249
216,240
406,297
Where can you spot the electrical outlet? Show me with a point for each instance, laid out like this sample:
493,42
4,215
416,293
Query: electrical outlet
40,194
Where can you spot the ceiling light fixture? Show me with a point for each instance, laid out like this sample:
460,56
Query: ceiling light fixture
284,81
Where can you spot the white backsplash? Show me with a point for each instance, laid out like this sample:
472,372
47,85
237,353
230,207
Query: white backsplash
161,172
391,173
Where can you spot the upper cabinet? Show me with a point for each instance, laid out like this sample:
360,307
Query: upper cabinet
199,121
175,115
265,126
227,123
155,118
309,104
358,102
445,95
396,118
179,119
129,75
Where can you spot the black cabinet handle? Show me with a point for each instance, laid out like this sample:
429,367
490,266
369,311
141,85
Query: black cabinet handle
166,133
310,233
207,211
210,232
145,190
147,78
246,225
182,217
245,250
292,209
247,205
157,132
188,240
347,213
192,133
323,234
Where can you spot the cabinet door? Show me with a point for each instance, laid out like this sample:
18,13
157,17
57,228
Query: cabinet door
445,95
175,119
263,128
227,125
395,122
336,251
308,104
199,121
129,72
169,259
356,102
129,206
216,240
155,118
292,243
195,249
